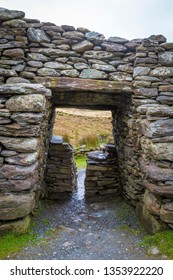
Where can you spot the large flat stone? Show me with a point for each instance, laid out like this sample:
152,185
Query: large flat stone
17,172
152,171
72,84
17,186
14,206
26,103
159,151
24,88
20,144
164,190
158,128
22,159
6,14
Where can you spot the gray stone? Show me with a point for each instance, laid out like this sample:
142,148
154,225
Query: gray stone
98,55
14,53
14,89
14,186
167,100
67,27
54,52
82,46
30,118
166,58
158,128
47,72
5,113
162,72
119,76
158,151
8,73
38,56
14,206
16,80
93,74
113,47
34,63
22,159
154,172
159,111
167,46
8,153
6,14
26,103
140,71
37,35
125,68
12,45
14,23
75,35
17,172
104,67
118,40
81,66
95,37
70,73
147,92
20,144
58,66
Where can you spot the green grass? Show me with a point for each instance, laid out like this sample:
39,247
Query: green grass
11,243
162,240
80,162
90,140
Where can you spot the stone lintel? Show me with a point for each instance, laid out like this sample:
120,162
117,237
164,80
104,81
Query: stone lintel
76,84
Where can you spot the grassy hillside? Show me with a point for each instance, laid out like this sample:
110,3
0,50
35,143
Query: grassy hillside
80,127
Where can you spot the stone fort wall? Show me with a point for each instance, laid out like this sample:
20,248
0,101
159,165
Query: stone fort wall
33,52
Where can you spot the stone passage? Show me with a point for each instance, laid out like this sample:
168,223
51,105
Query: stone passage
102,176
44,66
61,172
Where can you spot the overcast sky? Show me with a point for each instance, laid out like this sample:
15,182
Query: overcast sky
124,18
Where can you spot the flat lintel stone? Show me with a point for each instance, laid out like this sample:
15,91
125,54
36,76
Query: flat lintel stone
76,84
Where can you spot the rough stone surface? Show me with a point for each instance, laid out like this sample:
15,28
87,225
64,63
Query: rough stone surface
92,74
133,79
26,103
36,35
6,14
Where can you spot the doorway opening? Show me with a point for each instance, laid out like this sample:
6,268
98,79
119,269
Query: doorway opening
85,131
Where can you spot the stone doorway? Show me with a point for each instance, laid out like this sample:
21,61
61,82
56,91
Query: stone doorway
93,130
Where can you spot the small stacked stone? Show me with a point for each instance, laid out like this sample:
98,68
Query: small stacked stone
61,172
102,178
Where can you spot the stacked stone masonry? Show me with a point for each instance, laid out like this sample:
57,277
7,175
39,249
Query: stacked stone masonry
61,172
102,176
143,126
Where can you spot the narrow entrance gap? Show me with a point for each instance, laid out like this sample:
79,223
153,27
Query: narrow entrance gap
86,130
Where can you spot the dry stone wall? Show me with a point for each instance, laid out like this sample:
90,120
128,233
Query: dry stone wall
61,171
30,49
102,173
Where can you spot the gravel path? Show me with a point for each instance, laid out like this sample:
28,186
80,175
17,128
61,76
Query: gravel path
74,229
